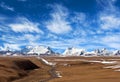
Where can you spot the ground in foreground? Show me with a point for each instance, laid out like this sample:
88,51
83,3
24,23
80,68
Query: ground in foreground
72,69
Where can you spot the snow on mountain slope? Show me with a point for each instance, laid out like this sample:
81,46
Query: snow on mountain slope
38,50
92,53
73,52
116,52
43,50
82,52
98,52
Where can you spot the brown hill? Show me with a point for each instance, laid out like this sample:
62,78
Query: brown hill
20,69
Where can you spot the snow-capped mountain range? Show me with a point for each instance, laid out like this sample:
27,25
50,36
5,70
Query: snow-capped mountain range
43,50
37,50
29,50
83,52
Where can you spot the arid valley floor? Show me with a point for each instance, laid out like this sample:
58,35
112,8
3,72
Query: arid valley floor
70,69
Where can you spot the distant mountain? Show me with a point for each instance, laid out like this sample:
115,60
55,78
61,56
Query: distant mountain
116,52
96,52
73,52
43,50
26,49
99,52
5,51
103,52
37,50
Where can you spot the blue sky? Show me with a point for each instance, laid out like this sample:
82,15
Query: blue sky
88,24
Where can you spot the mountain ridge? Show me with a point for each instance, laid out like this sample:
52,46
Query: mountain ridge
45,50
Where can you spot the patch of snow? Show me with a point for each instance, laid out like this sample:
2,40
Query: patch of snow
108,62
95,61
118,70
15,55
46,62
65,64
73,52
116,52
69,60
58,74
105,62
37,50
87,54
113,67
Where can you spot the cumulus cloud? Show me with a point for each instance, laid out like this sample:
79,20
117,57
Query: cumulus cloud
25,26
58,23
3,5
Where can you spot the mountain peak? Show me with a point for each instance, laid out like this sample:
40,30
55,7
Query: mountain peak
37,50
73,52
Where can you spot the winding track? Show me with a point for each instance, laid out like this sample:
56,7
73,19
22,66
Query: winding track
52,72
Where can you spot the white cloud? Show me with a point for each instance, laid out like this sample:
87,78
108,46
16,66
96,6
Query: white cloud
15,42
24,39
30,37
110,22
63,43
59,24
111,38
114,45
107,5
28,34
10,46
82,25
79,18
24,25
4,29
56,44
110,41
52,36
109,18
3,5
